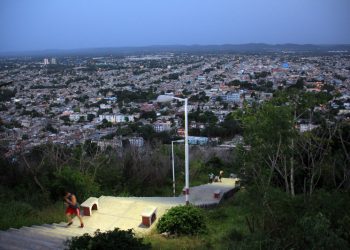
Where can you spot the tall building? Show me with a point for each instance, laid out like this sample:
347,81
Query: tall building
46,61
53,61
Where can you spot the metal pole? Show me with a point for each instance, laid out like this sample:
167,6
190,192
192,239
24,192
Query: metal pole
173,164
187,177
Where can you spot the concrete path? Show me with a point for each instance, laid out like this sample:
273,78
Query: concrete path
121,212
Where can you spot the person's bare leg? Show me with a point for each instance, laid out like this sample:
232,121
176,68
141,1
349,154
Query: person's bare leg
70,220
81,221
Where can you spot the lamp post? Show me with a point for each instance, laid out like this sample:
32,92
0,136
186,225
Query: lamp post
168,98
173,163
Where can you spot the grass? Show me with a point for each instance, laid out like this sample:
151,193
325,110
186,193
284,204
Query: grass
226,226
17,214
184,242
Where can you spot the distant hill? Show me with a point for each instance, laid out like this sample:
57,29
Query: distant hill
225,48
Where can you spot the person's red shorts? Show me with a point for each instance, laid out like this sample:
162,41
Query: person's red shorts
70,210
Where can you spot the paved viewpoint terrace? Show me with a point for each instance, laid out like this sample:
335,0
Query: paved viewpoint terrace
121,212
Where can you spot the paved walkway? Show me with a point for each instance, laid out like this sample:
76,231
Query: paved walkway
121,212
125,212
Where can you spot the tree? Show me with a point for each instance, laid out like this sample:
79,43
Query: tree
268,130
81,119
90,117
65,118
299,84
313,148
82,184
149,115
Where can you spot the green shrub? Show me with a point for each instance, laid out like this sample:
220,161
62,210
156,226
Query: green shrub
116,239
182,220
72,180
317,234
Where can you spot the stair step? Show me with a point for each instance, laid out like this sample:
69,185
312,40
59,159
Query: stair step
61,230
47,225
27,243
61,224
28,235
38,234
60,233
43,232
8,245
74,228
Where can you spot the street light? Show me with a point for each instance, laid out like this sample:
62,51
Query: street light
168,98
173,164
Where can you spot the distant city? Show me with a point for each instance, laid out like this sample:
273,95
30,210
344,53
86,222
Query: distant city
110,99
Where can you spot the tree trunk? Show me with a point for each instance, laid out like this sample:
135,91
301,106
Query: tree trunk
311,188
286,176
292,172
36,180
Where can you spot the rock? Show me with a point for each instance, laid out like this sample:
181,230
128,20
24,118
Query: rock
165,234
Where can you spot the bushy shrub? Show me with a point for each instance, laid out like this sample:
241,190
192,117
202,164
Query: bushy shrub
317,234
72,180
182,220
116,239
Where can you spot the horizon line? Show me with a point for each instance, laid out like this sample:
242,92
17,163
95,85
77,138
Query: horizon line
167,45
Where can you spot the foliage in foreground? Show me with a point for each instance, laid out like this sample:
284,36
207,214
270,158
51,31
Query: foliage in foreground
116,239
275,221
182,220
252,221
33,209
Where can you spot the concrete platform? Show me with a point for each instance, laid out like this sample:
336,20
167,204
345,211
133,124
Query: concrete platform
125,212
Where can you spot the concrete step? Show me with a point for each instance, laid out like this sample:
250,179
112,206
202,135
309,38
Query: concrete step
47,226
74,229
38,233
63,235
49,231
33,236
60,232
62,223
8,245
22,242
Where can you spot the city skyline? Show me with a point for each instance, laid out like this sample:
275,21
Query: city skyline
40,25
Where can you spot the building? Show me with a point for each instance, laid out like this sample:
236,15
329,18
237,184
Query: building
115,143
307,127
136,141
116,118
162,126
232,97
198,140
201,78
105,106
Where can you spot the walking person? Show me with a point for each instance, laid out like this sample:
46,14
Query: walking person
221,174
211,177
72,208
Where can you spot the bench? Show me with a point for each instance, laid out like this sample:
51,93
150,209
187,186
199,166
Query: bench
88,205
237,183
149,215
217,194
233,176
184,191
